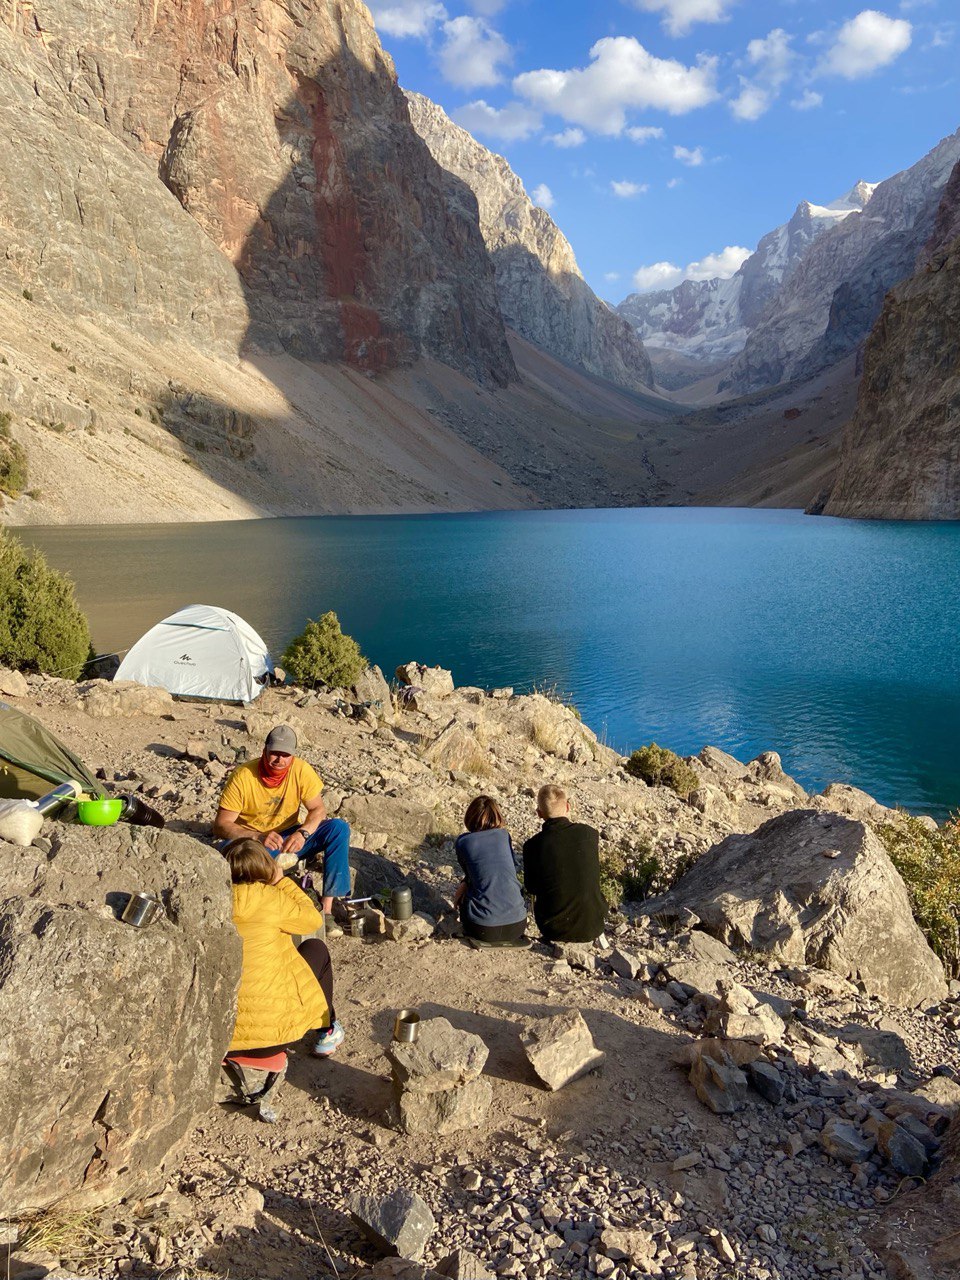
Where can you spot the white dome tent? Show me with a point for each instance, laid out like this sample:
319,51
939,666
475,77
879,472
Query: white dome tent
201,652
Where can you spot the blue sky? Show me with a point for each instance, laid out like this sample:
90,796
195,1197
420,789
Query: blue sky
667,136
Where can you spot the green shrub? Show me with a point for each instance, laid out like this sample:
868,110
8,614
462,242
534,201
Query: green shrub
632,879
28,295
13,461
322,654
13,468
929,862
660,767
42,628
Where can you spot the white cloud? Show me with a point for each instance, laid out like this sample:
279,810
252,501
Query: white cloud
660,275
772,60
511,123
673,182
665,275
720,265
401,18
627,190
941,37
543,196
568,138
680,15
809,100
691,156
644,133
611,276
752,101
622,75
864,44
472,53
486,8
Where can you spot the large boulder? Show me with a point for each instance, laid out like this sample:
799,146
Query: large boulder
813,888
404,823
106,699
110,1036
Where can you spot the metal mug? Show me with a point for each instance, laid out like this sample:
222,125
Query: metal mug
401,903
406,1028
141,910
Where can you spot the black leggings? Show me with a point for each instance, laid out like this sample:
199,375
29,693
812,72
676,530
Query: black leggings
317,956
492,933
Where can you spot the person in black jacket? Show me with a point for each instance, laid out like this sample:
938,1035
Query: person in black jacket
561,871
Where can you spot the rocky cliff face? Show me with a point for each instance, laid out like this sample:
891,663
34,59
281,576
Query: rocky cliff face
901,452
712,319
314,212
542,294
826,307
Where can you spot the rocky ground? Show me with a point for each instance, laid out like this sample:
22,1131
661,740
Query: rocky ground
773,1160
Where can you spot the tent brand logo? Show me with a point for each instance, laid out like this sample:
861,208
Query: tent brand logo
184,661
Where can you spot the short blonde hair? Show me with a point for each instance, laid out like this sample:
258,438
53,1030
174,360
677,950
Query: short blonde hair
551,800
249,861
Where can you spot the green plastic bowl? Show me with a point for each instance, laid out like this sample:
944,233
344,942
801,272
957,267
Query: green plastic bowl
99,813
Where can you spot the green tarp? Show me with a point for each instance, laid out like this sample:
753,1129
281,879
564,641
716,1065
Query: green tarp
33,761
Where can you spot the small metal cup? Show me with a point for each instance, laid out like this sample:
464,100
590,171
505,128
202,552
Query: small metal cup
406,1028
141,910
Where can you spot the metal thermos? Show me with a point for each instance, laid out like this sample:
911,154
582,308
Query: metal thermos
141,910
137,813
60,795
406,1028
401,903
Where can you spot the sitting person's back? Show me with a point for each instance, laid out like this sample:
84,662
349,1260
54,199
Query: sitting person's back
285,991
561,870
492,909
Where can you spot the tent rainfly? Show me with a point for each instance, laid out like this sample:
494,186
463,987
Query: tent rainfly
201,652
33,761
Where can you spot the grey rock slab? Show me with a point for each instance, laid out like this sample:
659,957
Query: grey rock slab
845,1142
881,1048
464,1265
579,955
699,974
462,1106
441,1056
624,1244
901,1150
435,681
766,1080
560,1048
400,1223
126,1027
417,929
774,892
718,1081
626,963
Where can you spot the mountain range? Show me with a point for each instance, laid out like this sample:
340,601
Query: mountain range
811,291
243,273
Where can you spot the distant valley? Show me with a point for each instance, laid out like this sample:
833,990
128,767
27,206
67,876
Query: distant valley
272,283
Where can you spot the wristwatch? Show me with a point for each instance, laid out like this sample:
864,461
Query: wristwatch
305,833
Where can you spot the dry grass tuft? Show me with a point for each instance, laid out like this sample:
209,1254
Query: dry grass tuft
77,1235
544,735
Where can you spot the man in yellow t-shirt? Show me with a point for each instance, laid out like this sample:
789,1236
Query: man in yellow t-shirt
263,799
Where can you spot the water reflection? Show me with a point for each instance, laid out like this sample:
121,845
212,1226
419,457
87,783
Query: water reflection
833,642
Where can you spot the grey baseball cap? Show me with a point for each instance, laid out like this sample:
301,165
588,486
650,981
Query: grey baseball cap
282,738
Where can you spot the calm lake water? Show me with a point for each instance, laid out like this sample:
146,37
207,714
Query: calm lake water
836,643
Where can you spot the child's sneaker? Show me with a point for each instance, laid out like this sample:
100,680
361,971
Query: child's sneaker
329,1041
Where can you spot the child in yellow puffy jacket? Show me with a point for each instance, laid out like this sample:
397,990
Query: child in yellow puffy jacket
285,991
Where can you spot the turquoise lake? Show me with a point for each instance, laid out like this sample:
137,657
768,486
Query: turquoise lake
833,642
